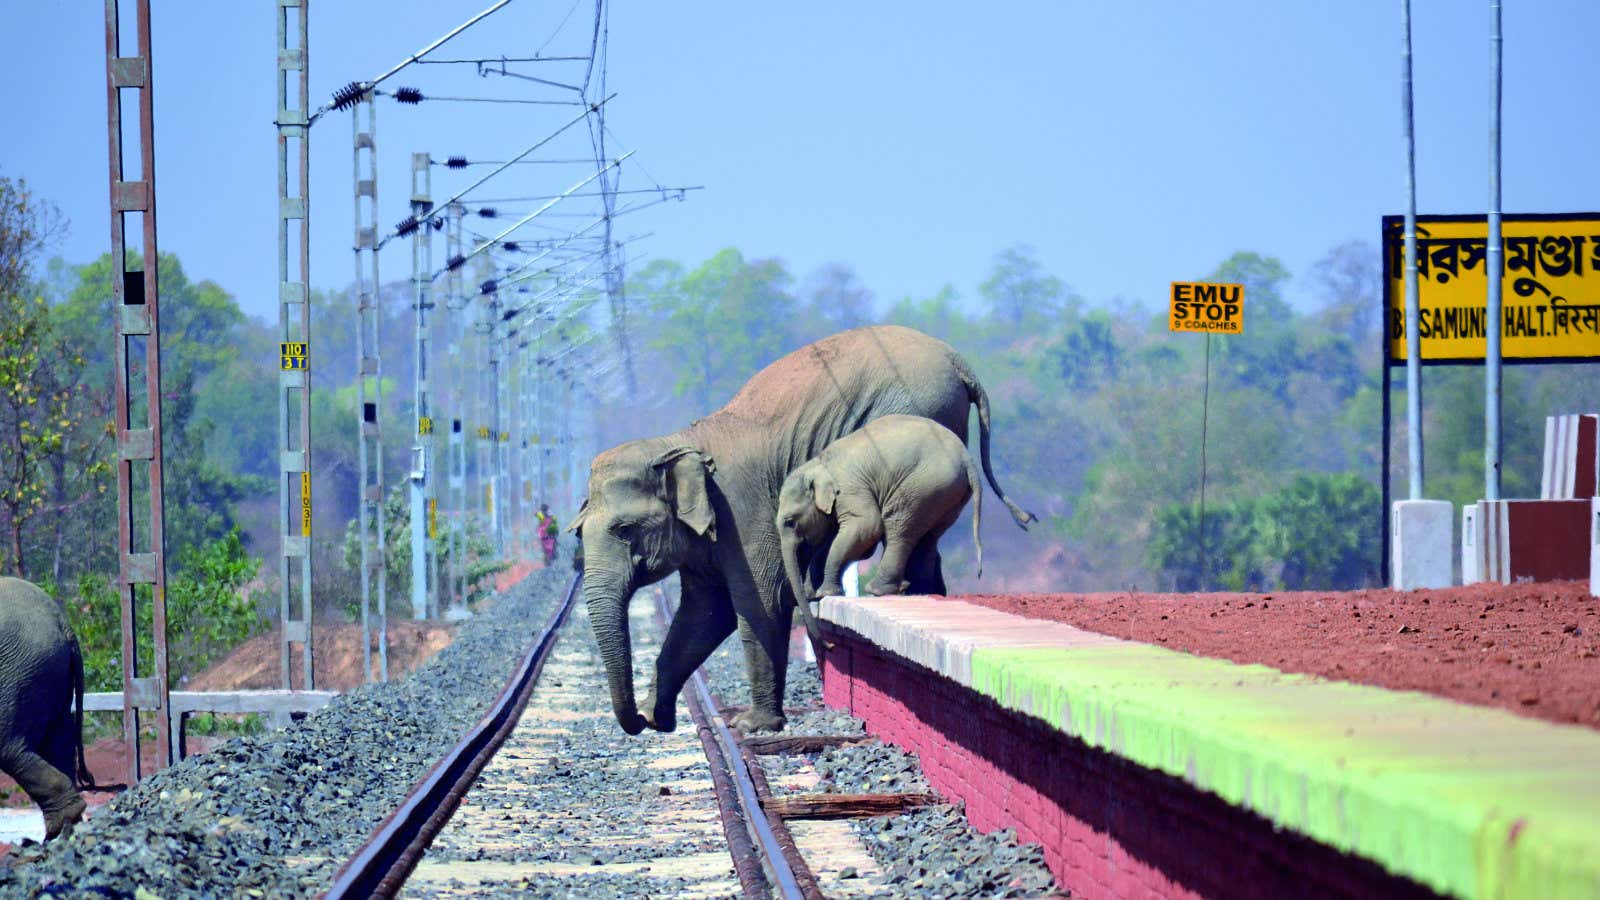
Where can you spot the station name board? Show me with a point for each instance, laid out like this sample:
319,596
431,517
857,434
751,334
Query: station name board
1550,307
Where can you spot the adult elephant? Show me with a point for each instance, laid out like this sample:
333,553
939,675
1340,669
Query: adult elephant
41,671
701,502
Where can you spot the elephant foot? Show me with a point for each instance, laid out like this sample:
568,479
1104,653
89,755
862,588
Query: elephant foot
59,823
885,588
662,716
832,589
632,723
753,720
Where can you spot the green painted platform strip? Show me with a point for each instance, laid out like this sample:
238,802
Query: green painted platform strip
1471,801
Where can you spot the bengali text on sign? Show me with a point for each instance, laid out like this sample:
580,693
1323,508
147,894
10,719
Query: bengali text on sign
1550,289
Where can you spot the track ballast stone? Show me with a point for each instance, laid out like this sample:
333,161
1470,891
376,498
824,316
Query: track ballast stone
276,814
929,852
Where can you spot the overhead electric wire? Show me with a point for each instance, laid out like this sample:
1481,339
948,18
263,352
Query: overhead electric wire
510,100
435,211
501,59
343,94
455,263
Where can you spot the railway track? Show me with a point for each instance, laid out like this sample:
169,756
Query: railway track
546,797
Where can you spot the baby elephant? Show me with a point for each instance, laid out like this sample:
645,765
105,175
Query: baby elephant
41,671
901,480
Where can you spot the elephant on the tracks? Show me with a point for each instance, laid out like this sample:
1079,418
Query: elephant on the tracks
41,675
701,502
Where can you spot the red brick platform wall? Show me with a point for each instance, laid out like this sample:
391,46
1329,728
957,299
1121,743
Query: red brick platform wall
1109,828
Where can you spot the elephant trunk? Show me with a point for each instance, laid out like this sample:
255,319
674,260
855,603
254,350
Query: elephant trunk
608,619
802,591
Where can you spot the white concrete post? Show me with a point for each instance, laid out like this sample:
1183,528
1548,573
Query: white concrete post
1423,532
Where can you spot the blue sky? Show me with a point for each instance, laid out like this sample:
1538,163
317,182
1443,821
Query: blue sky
1129,143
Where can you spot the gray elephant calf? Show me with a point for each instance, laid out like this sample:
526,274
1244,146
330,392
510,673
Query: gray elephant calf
41,671
902,480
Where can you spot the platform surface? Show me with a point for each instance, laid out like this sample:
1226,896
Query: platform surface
1470,801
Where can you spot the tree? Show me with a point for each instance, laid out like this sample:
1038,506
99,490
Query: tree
1322,530
1020,296
46,465
50,462
835,300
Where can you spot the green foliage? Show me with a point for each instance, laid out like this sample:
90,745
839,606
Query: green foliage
1323,531
1318,531
477,554
208,611
208,614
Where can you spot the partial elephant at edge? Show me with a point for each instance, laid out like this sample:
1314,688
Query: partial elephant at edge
41,686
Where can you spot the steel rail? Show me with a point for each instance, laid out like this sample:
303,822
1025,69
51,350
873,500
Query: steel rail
381,866
781,862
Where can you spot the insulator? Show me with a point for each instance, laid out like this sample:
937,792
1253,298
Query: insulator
487,212
406,226
489,287
509,314
349,95
510,246
456,162
407,95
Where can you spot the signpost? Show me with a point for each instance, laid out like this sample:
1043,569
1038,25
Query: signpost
1209,309
1551,314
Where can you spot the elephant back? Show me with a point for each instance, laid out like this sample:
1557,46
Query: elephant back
825,390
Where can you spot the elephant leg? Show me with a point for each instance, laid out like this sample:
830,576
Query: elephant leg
767,662
925,573
703,621
47,786
889,576
925,570
854,541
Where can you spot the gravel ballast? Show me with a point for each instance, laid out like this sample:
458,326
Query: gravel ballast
276,814
928,852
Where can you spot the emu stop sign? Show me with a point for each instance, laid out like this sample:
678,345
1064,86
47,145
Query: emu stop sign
1207,308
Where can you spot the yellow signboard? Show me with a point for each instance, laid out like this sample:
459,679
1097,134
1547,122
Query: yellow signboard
294,355
1209,308
1550,290
433,517
305,504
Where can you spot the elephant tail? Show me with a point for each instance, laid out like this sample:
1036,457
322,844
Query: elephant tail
980,399
85,777
977,509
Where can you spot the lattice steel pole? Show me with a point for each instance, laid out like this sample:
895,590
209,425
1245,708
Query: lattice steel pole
457,449
294,327
482,405
424,512
369,393
496,424
136,299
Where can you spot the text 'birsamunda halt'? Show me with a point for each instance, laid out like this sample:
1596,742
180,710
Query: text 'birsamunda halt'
1550,287
1198,306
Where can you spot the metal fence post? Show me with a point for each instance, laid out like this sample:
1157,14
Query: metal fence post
294,326
369,391
136,300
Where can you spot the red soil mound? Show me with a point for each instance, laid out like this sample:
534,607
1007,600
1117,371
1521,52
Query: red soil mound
256,663
1533,649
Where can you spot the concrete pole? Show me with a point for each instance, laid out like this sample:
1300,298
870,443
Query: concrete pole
1413,314
1493,260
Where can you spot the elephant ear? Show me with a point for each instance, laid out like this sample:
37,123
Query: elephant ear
683,473
823,490
577,520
